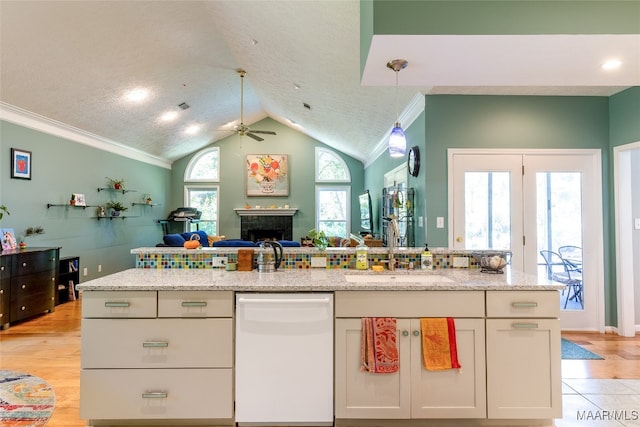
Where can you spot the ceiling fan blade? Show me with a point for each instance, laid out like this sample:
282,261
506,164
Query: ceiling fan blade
256,137
267,132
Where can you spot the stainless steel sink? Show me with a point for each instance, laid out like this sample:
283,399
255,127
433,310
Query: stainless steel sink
396,278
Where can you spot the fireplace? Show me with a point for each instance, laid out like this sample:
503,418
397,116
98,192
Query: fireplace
263,227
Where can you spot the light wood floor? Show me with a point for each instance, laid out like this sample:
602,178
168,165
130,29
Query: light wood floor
49,346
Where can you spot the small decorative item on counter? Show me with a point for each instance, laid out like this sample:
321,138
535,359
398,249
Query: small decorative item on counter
492,262
193,242
23,245
319,238
426,259
72,201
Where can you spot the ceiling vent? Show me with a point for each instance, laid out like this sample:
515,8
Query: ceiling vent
184,105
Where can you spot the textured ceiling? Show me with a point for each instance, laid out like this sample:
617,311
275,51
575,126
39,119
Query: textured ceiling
71,62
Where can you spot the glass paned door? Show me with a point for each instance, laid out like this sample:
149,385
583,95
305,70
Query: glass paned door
563,216
543,202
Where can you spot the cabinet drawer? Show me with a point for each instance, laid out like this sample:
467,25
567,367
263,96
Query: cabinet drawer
523,304
157,343
195,304
134,394
409,304
119,304
27,263
27,305
32,284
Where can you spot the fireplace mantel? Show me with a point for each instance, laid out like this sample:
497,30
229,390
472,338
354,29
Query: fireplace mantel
266,211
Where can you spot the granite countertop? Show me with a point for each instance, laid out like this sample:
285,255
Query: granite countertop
300,250
138,279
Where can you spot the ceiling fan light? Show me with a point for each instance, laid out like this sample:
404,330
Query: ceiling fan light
397,142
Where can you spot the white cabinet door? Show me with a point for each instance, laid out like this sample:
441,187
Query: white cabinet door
365,395
523,368
451,393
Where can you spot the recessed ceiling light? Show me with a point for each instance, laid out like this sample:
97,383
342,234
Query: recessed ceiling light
137,94
612,64
169,116
296,86
192,130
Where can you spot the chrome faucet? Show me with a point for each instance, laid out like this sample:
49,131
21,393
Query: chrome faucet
392,236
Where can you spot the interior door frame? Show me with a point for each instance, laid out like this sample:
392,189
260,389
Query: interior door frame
624,240
596,159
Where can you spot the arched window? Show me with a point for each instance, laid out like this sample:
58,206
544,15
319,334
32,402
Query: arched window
330,167
333,193
203,167
199,192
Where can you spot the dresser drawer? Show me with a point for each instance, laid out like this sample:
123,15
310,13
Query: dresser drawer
119,304
409,304
195,304
133,394
157,343
26,263
523,304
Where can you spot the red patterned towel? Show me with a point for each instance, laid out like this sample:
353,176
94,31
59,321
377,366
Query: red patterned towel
439,348
378,346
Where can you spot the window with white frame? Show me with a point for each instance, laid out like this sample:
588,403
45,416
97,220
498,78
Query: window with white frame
200,192
205,199
333,193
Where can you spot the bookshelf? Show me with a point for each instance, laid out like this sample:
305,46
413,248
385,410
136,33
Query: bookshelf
68,276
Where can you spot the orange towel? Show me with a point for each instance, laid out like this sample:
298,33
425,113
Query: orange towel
439,349
378,346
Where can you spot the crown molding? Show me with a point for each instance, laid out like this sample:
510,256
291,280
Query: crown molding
406,118
19,116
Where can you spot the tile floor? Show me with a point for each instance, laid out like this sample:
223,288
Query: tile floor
600,402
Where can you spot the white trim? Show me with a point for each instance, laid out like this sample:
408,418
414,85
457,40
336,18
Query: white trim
406,118
624,239
266,211
40,123
338,158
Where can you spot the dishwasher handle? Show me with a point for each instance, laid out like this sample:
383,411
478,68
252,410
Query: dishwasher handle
244,300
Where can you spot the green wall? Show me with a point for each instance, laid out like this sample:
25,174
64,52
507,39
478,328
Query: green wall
62,167
300,149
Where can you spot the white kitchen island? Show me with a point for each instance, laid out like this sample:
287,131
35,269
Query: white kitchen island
158,346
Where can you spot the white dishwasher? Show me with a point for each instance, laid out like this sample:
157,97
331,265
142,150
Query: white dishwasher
284,359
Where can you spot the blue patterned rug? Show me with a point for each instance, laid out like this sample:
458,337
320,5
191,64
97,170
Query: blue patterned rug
25,400
572,350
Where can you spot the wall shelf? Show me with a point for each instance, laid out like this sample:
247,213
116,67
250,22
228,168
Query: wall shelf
50,205
123,191
145,204
111,217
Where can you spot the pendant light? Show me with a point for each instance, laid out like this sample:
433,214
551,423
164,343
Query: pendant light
397,139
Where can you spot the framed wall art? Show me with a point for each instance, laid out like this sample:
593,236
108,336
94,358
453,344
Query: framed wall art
20,164
267,175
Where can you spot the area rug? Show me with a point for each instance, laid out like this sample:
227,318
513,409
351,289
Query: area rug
572,350
25,400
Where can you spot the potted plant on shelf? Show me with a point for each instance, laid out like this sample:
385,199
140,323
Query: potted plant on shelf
3,211
116,207
117,184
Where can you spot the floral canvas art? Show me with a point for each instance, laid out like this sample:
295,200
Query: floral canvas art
267,175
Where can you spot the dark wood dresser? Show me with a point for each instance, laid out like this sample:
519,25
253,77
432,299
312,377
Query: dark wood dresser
27,283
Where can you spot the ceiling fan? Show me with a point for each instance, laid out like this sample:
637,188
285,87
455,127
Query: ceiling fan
241,129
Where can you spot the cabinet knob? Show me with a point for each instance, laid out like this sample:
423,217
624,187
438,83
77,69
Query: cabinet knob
1,291
23,286
24,264
405,333
2,268
416,333
23,308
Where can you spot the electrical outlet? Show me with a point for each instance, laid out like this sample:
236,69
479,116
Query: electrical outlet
318,262
85,271
637,223
420,221
99,268
461,261
218,261
440,222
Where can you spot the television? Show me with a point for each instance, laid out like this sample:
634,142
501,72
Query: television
366,213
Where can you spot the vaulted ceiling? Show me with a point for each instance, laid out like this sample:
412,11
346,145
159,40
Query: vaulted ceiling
71,63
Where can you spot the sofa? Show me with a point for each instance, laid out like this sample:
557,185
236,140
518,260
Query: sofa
178,239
